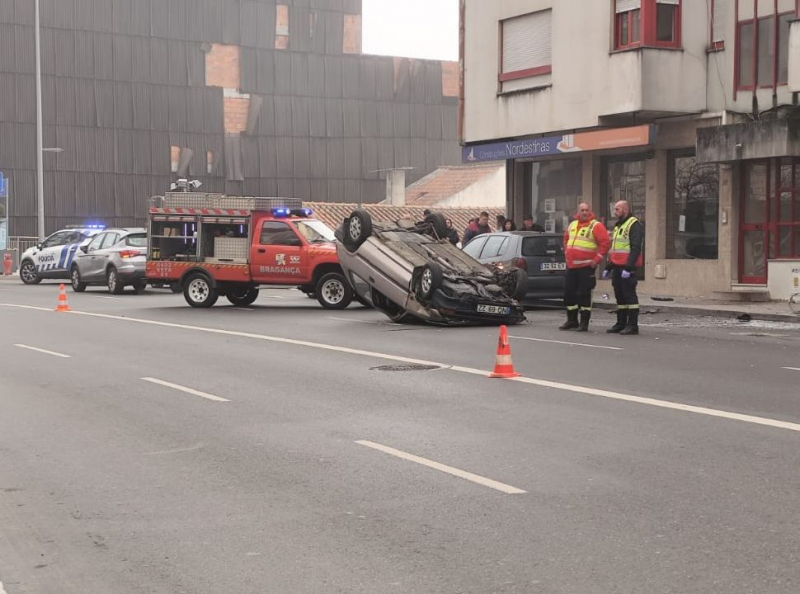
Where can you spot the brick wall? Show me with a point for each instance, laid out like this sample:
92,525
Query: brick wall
222,66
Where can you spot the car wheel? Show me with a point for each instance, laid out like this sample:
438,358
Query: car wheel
75,280
176,288
199,292
139,286
429,280
357,228
115,286
242,297
437,223
333,291
27,272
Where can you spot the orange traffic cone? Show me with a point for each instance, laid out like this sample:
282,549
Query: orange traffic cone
503,366
62,300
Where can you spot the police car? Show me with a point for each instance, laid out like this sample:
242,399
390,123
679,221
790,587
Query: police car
53,256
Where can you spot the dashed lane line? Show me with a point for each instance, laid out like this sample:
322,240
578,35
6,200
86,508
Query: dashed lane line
665,404
577,344
792,368
184,389
43,351
468,476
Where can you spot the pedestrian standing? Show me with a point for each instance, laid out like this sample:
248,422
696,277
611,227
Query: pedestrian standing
452,234
508,225
585,244
627,242
529,225
477,227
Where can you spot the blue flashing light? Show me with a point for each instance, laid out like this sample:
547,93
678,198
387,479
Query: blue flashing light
95,226
281,212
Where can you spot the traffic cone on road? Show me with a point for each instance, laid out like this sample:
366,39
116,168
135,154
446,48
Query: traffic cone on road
503,366
62,300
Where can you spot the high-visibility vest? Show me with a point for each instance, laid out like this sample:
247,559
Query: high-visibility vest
583,238
621,244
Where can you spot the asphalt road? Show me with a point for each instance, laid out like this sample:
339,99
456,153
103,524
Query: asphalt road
146,447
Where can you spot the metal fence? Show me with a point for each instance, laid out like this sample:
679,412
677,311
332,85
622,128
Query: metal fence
21,243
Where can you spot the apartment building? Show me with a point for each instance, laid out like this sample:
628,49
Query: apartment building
685,108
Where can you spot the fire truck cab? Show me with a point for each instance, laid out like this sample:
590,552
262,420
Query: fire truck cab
210,245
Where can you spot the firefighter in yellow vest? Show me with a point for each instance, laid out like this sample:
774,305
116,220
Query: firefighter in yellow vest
585,245
625,258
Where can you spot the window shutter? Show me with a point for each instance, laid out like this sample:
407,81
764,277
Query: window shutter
674,2
626,5
527,41
719,22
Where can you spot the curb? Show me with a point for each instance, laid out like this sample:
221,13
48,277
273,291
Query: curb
716,313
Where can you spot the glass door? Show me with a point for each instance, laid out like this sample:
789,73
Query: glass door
753,226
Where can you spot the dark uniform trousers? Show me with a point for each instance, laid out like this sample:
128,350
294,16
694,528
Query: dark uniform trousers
625,290
578,287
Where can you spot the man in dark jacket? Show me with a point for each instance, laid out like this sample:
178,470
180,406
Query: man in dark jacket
529,225
624,259
452,234
478,227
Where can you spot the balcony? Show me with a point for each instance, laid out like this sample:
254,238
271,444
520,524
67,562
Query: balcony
653,82
794,57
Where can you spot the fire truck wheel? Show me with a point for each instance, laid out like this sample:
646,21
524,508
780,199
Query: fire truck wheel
242,297
333,292
357,228
199,292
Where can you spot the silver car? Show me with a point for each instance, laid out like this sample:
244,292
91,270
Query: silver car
115,258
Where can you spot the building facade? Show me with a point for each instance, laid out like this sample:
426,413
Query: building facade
254,97
685,108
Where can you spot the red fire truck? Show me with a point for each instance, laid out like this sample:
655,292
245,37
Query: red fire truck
211,245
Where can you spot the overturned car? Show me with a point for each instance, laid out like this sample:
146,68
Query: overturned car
408,270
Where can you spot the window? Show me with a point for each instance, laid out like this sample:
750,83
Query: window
527,43
762,57
785,209
494,247
110,239
542,246
719,20
175,158
692,208
96,242
651,23
474,247
315,231
553,190
55,240
210,162
274,233
136,240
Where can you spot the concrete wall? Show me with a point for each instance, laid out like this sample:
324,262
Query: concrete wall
488,192
794,57
588,81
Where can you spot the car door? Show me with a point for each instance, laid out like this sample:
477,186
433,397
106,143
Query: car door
279,256
46,259
99,264
71,245
87,261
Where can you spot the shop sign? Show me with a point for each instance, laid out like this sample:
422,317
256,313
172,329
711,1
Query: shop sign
599,140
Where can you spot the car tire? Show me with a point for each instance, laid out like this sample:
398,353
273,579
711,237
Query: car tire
242,297
75,280
333,291
176,288
437,223
357,228
429,281
139,286
199,292
115,286
521,285
27,272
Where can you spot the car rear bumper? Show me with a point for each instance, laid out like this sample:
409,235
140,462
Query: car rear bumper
130,272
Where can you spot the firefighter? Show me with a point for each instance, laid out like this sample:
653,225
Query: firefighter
585,245
625,258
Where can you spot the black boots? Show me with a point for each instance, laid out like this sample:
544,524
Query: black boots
572,320
622,322
633,323
586,315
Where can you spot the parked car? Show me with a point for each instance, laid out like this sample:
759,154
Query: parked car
115,258
410,270
540,254
53,257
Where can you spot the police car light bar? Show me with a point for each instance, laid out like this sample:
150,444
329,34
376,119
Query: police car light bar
95,226
288,212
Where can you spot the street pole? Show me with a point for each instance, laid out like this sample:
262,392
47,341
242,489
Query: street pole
39,125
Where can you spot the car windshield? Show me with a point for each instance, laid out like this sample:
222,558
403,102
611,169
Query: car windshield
542,246
137,240
315,231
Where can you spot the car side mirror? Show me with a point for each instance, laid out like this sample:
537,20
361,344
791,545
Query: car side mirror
84,249
38,246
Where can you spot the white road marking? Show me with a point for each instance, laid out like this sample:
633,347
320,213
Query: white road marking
579,344
185,389
173,451
356,321
472,371
792,368
480,480
2,589
54,354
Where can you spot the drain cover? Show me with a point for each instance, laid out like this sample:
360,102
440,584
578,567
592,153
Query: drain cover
405,368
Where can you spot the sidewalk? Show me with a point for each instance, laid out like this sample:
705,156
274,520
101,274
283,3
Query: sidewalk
774,311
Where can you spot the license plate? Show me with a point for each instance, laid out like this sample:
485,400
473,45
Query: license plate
494,309
554,266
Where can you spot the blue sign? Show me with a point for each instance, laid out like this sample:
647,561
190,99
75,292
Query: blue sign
3,186
514,149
